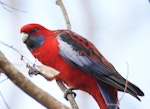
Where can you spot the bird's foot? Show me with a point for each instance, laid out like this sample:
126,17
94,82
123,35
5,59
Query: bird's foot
33,71
69,91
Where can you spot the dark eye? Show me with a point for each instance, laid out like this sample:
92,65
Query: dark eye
34,30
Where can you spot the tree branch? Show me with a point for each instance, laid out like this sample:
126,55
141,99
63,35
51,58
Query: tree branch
60,3
1,70
27,86
69,96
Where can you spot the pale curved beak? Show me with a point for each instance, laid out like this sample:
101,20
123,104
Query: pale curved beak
24,36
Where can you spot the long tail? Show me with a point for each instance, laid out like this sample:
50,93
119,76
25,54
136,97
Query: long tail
106,96
133,90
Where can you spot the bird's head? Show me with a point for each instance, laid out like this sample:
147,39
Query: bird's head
33,35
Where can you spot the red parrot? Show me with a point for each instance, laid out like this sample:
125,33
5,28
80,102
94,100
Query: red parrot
80,64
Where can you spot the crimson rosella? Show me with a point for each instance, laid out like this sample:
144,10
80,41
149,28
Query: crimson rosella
80,64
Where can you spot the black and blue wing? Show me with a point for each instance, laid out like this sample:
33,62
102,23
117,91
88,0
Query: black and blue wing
81,53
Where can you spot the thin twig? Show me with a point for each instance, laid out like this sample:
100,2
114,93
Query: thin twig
6,6
70,97
3,80
60,3
17,51
125,88
4,101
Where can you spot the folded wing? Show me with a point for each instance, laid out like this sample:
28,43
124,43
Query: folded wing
81,53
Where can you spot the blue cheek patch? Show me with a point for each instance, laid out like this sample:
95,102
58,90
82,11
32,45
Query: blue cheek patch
40,40
34,42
